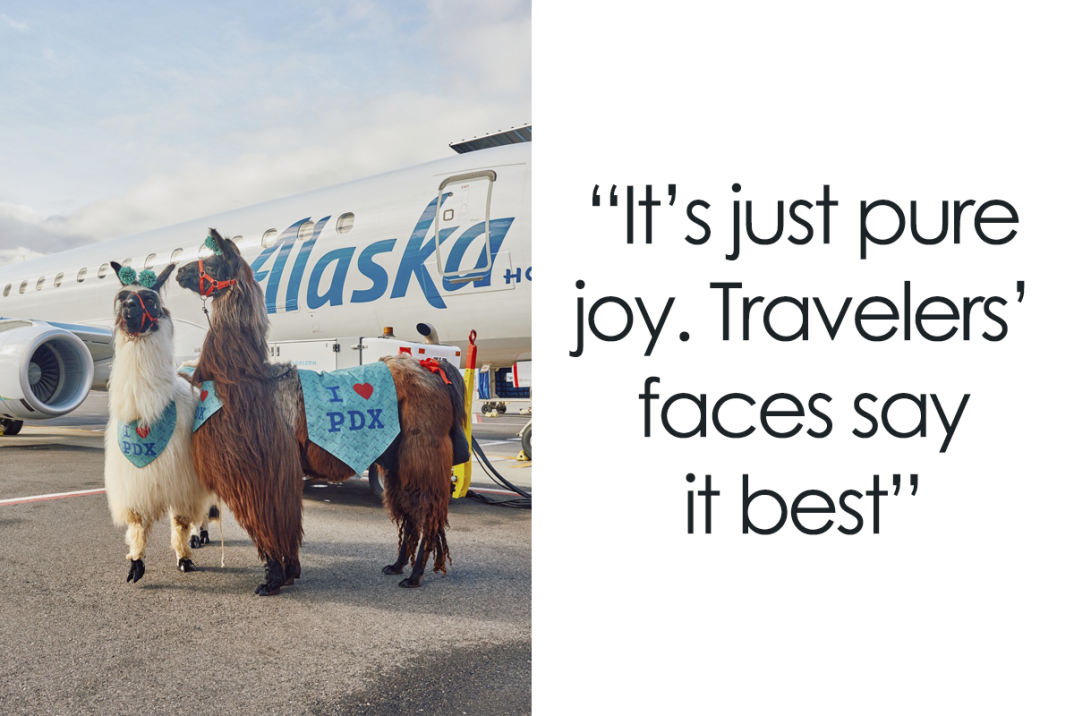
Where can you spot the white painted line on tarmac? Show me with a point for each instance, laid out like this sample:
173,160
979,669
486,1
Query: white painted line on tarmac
53,496
61,495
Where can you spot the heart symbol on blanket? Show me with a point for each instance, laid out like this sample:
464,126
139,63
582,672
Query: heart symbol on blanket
363,389
204,395
142,432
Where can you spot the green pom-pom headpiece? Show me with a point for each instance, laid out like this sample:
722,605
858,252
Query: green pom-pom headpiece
147,278
127,275
213,246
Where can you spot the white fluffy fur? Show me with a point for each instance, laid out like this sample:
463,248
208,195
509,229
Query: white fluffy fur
142,384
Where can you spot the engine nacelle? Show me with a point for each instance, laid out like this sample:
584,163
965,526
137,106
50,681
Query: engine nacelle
45,371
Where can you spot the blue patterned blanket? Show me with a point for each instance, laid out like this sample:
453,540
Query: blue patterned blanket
351,413
144,444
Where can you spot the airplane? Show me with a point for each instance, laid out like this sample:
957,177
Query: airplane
444,244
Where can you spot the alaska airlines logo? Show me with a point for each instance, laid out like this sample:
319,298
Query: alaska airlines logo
411,268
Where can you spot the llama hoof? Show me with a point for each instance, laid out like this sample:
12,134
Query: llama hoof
185,565
195,543
275,577
392,569
137,570
204,537
407,584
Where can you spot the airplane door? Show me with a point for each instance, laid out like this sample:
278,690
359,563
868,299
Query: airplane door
470,203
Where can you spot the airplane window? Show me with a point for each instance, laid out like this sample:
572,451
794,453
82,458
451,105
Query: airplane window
103,271
305,231
269,239
127,262
175,256
345,223
237,239
149,260
59,279
7,290
204,252
82,275
40,283
22,286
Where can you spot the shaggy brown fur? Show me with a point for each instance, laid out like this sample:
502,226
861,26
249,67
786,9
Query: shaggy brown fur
254,458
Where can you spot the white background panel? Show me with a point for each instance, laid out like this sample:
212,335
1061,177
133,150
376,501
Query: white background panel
961,603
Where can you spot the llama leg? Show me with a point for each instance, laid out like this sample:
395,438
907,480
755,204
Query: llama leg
200,537
441,553
277,533
433,542
214,514
292,571
137,530
274,579
414,580
181,529
408,539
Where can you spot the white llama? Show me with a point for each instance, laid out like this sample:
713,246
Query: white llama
148,469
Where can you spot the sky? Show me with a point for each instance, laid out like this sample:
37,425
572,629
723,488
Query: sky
118,117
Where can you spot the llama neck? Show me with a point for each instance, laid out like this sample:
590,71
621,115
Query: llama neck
142,383
236,347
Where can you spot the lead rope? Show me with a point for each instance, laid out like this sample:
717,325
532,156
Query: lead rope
221,539
221,520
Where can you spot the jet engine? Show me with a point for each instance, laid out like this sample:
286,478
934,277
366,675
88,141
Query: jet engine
45,371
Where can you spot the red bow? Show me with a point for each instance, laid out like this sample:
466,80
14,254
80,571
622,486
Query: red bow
432,365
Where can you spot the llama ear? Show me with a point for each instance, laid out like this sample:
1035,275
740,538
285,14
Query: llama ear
126,274
223,246
230,249
163,278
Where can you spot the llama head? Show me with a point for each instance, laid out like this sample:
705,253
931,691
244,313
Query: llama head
216,275
138,306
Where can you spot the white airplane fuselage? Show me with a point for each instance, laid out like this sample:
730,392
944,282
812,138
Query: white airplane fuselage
325,282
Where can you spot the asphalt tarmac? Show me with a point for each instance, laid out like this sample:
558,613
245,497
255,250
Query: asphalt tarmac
345,639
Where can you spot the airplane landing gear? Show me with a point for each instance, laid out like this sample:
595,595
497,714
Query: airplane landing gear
10,427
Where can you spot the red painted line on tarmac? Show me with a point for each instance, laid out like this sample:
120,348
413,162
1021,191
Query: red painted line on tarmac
54,496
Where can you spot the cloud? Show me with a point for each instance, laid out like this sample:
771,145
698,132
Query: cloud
21,227
17,254
192,137
14,24
346,144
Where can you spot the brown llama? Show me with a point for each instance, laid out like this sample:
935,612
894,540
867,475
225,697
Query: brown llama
254,450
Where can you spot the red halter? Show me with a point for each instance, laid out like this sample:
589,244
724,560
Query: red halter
145,314
214,285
